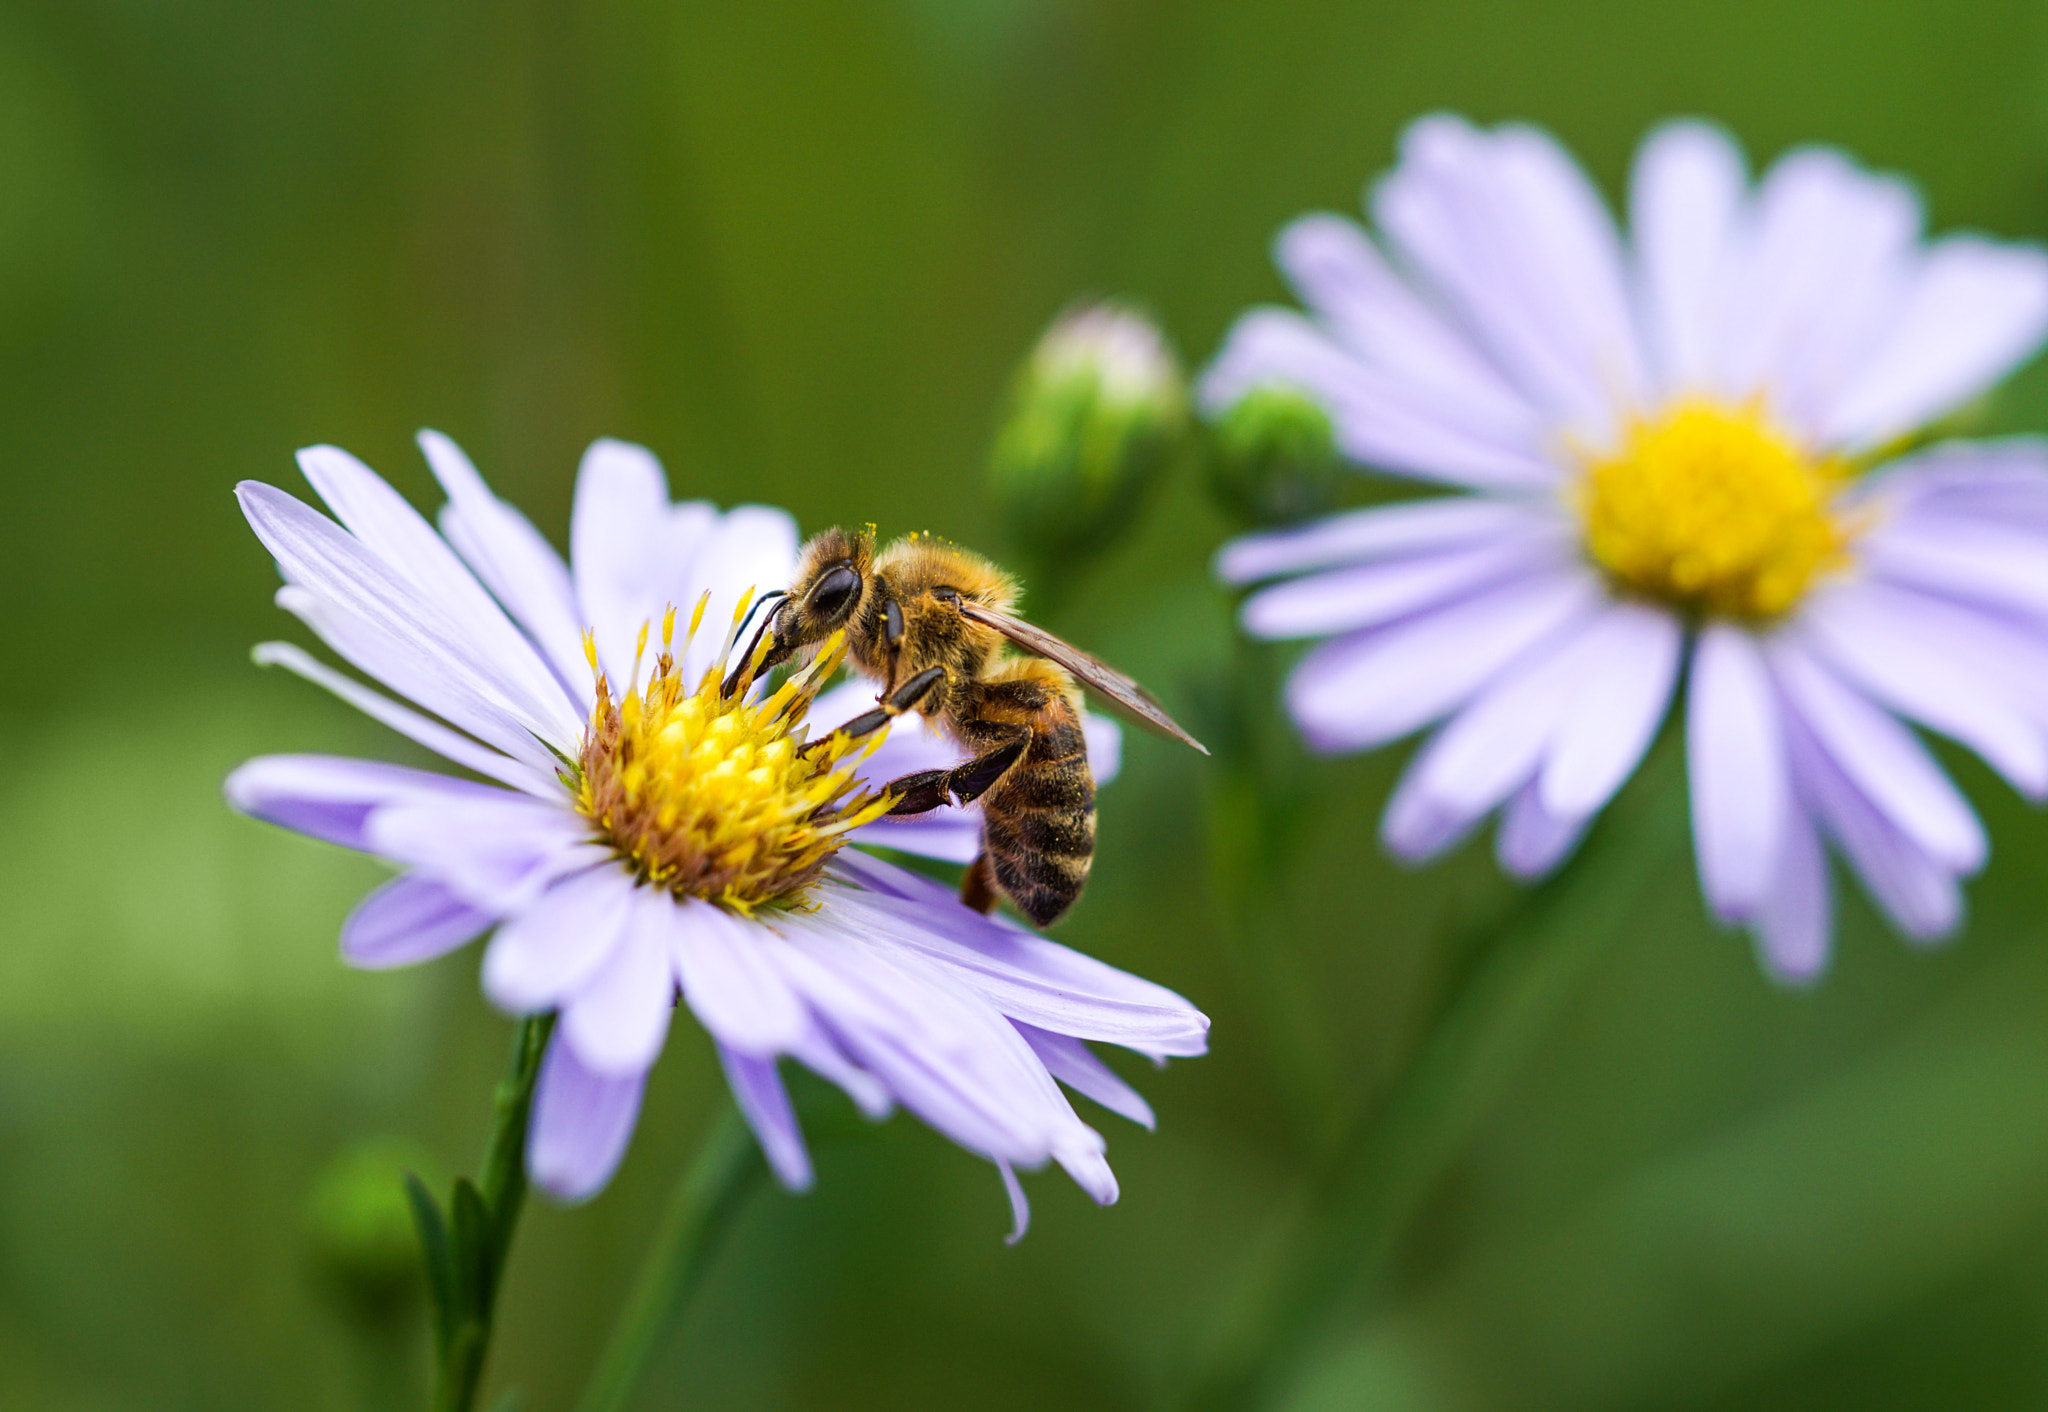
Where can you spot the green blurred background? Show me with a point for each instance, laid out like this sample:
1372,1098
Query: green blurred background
796,249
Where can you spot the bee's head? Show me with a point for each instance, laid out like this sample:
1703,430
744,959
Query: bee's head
833,575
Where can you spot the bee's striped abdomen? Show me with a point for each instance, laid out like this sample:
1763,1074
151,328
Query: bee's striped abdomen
1039,818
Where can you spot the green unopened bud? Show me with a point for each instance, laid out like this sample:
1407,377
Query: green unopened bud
1096,411
1273,458
359,1229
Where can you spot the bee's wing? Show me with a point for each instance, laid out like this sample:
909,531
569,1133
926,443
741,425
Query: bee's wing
1133,702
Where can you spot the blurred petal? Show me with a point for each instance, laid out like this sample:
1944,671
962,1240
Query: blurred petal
1627,666
1919,895
1020,1207
1533,840
1975,310
408,919
1796,919
1952,670
582,1122
1891,769
758,1089
1736,762
1369,595
1511,234
1686,195
1376,418
1360,691
1374,313
1362,536
1827,260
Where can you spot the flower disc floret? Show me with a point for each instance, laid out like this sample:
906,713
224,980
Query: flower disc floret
1713,509
711,795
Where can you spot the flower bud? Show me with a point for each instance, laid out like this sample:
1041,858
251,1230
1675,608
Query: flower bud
1273,457
359,1230
1095,412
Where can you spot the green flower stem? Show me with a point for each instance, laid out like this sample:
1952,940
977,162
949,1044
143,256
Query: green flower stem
1518,981
466,1248
713,1190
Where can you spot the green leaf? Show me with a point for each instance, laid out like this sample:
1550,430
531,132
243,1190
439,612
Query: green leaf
473,1260
434,1252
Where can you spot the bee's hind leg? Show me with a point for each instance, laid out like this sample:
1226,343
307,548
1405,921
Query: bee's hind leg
978,885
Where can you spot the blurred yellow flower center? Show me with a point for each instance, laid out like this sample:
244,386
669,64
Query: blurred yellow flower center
1715,509
713,796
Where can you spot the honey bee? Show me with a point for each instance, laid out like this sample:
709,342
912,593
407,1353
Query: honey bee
932,624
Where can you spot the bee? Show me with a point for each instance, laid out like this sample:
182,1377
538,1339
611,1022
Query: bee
931,623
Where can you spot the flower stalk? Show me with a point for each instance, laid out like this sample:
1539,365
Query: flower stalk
465,1248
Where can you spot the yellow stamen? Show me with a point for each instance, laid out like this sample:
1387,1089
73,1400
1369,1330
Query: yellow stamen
717,797
1715,509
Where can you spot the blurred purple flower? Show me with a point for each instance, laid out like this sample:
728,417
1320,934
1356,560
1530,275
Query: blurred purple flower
876,978
1667,446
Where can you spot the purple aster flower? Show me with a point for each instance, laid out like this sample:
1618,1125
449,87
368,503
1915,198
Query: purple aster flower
1674,457
637,834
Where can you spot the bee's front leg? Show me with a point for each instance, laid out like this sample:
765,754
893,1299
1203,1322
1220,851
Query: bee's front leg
904,698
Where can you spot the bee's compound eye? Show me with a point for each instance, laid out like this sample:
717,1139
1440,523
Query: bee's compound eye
835,592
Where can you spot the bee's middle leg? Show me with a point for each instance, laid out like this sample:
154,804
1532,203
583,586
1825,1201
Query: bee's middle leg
965,782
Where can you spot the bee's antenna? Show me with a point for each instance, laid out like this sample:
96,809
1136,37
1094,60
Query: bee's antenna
746,658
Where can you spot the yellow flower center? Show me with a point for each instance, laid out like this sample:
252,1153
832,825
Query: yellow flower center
1714,509
710,795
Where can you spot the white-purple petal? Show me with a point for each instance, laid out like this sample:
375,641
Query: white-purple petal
320,556
617,1020
1891,768
1917,892
1369,595
449,744
512,558
1795,921
1626,667
758,1088
1533,839
1826,262
1367,689
1735,750
331,797
1075,1065
1686,196
1389,531
1975,310
408,920
581,1124
384,522
1376,417
1951,669
1509,232
732,981
542,956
